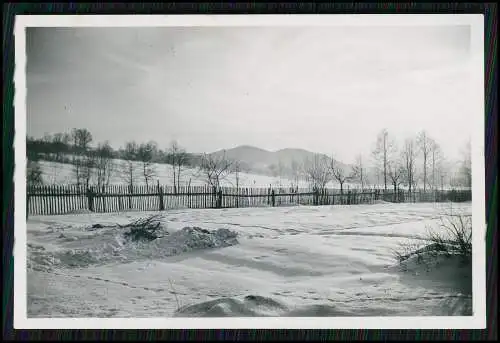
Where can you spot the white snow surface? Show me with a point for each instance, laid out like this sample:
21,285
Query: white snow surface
293,261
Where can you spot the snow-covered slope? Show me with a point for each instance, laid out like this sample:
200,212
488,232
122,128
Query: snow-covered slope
62,173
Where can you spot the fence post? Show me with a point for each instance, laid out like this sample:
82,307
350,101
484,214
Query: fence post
130,188
219,200
237,197
273,198
103,200
90,198
27,203
160,194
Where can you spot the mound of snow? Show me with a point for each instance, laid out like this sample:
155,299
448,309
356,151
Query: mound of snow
195,238
450,273
40,260
257,306
111,247
250,306
381,202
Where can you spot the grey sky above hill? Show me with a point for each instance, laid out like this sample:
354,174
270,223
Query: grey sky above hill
324,89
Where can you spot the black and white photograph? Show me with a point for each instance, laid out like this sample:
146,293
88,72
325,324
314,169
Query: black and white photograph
208,169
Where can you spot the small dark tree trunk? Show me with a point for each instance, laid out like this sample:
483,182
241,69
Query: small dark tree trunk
160,195
219,202
90,199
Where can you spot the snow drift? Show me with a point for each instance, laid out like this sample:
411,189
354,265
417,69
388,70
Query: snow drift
110,246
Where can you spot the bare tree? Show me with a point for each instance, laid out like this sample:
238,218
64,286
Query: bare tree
339,173
129,155
436,163
77,169
237,168
58,145
88,165
442,176
280,171
317,172
215,168
382,152
81,140
466,168
358,171
409,155
103,164
145,156
34,175
47,138
296,171
66,138
66,142
396,173
178,159
424,143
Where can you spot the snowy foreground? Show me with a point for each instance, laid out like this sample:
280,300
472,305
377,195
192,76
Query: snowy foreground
290,261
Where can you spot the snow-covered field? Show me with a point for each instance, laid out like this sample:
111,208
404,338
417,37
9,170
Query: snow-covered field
294,261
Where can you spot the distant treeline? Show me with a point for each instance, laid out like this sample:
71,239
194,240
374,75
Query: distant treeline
96,164
61,147
418,161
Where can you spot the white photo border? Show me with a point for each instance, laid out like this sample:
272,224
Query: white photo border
476,321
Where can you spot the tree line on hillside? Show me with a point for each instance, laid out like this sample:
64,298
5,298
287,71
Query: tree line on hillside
132,163
418,161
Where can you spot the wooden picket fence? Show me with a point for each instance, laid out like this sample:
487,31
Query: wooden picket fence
67,199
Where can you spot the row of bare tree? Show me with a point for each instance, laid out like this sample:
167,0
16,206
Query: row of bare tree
420,153
136,162
397,165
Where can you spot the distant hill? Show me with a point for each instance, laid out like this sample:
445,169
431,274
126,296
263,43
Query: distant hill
266,162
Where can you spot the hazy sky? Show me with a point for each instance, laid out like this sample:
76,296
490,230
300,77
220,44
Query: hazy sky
324,89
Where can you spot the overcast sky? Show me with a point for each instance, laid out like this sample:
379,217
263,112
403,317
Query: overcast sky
324,89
